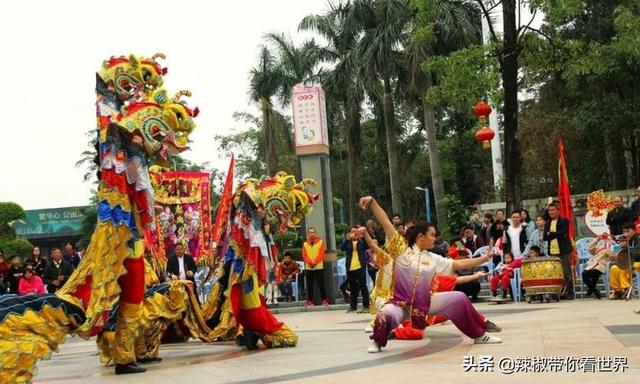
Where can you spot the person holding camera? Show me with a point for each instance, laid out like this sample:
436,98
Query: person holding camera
618,217
620,279
355,248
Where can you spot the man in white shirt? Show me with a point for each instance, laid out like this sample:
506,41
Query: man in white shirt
515,236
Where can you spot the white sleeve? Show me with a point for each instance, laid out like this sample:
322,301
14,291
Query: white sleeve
442,265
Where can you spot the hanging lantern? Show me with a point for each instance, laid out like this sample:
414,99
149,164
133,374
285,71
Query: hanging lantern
484,136
482,110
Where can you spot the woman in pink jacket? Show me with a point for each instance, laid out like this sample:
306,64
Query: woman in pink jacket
31,283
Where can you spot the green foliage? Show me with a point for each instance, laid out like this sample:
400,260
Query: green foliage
289,239
18,246
585,77
341,230
11,244
464,77
89,222
457,214
247,144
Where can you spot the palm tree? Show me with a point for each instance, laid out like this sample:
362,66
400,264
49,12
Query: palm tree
454,26
296,64
383,23
266,79
341,81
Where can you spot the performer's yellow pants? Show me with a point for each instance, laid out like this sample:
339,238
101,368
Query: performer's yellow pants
619,279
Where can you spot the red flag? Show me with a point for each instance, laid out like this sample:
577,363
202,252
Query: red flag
564,198
225,204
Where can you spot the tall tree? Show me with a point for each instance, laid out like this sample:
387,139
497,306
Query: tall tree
341,81
383,23
266,79
508,49
441,27
296,64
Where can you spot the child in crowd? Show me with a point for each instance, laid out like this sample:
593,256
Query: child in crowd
504,274
31,283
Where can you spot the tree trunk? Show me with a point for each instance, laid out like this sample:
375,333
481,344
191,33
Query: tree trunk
509,70
288,137
392,148
620,170
354,147
268,132
635,161
434,158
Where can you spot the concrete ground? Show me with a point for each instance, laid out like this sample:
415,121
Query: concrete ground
332,349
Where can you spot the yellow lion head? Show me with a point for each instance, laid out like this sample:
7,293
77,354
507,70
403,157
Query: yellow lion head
130,75
163,123
284,200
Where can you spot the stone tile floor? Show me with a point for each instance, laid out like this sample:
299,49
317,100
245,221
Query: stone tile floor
332,349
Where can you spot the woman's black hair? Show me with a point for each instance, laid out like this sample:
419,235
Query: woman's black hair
528,219
412,232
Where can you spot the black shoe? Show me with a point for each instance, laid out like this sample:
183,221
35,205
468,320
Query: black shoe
492,327
589,292
504,294
124,369
240,341
597,294
251,340
149,360
567,297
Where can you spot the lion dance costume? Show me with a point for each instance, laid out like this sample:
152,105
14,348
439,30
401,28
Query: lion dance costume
138,123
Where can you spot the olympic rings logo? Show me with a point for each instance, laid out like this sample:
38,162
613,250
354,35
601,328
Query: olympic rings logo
305,97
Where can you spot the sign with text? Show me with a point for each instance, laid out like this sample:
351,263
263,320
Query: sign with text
598,205
51,222
309,119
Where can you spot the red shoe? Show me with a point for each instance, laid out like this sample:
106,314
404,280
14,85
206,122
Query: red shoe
325,303
308,303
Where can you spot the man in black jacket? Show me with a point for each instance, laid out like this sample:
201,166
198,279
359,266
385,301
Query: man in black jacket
57,272
355,249
14,274
181,266
556,233
635,206
618,217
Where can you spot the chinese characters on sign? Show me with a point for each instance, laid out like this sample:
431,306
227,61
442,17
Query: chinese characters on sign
51,222
309,116
537,364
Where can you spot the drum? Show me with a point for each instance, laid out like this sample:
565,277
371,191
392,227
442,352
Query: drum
542,275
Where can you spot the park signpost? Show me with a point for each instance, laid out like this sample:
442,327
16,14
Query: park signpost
312,152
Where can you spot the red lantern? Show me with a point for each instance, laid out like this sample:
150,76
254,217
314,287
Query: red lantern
484,136
482,109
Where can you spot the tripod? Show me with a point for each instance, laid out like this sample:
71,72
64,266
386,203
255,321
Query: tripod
629,292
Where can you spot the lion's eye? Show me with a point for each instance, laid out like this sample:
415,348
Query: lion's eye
146,75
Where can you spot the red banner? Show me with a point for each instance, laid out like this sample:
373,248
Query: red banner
183,200
564,198
224,207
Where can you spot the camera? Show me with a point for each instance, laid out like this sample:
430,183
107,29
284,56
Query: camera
620,238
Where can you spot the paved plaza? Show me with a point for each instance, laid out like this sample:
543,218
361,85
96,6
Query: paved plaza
332,349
